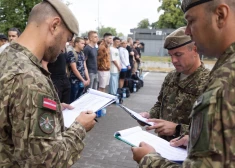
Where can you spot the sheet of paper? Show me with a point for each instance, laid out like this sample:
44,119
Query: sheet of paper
161,146
88,101
136,115
128,131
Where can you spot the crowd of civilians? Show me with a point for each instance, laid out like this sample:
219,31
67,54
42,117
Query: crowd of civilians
89,63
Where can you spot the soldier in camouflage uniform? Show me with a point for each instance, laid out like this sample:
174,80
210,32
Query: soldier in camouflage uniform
180,88
211,144
32,132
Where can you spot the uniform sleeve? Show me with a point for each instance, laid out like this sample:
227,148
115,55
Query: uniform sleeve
36,130
184,129
154,160
156,109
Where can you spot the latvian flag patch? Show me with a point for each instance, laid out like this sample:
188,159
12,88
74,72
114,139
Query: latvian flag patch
48,103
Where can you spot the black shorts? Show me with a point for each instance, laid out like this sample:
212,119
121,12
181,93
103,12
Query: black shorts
123,74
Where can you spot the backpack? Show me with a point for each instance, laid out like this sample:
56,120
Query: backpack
68,68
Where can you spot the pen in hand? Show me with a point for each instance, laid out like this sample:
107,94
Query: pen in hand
94,118
180,137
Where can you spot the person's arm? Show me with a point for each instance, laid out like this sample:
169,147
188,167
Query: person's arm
44,65
41,140
73,66
86,73
147,157
117,65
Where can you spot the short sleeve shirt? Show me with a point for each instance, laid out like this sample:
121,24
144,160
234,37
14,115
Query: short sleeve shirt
79,64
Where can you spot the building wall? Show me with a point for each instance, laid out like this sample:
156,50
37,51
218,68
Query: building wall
154,48
153,40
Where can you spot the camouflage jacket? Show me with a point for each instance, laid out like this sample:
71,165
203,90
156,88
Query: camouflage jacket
212,141
177,96
32,132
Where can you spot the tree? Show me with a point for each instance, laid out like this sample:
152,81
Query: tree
154,25
120,35
102,30
84,34
173,17
15,13
144,24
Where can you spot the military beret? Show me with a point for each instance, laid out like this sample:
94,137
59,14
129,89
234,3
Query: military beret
66,14
177,39
187,4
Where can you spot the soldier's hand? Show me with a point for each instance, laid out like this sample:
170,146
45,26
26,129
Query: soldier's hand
86,119
141,151
145,115
162,127
180,142
66,106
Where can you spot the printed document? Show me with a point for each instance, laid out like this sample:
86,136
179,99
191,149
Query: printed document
133,136
93,100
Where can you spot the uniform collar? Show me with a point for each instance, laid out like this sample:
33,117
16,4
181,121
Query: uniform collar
224,57
184,83
30,55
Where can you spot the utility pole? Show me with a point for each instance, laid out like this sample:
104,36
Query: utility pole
98,16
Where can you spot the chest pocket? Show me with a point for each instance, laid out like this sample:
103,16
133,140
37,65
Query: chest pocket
44,120
204,111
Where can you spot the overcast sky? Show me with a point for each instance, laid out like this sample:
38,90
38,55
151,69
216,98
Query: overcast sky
120,14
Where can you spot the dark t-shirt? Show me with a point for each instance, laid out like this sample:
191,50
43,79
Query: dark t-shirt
91,58
138,50
129,49
79,64
58,68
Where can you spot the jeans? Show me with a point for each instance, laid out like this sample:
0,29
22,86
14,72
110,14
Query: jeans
93,80
113,83
77,89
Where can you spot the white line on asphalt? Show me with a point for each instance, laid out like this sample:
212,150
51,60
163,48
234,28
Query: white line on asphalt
145,74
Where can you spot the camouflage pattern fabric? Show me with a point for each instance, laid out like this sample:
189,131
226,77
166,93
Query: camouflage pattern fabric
212,140
177,96
32,135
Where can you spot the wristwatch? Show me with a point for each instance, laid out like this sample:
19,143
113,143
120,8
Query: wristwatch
177,130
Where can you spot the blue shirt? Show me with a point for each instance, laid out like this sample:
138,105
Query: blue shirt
79,64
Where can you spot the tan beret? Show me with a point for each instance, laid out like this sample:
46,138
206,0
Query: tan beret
187,4
177,39
66,14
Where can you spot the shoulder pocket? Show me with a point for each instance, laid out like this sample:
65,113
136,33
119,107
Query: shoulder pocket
204,110
44,118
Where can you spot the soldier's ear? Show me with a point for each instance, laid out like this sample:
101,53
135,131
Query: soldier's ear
222,13
54,24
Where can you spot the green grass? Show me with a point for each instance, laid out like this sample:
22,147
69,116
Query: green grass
168,59
156,58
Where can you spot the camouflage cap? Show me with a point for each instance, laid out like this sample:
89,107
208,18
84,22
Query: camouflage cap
187,4
177,39
66,14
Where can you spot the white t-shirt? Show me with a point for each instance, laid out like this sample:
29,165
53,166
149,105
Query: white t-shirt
3,47
114,53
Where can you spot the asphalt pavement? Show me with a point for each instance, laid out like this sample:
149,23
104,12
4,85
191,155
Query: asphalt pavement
102,150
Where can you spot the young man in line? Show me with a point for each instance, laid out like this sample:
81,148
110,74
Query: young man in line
115,66
90,52
79,74
103,61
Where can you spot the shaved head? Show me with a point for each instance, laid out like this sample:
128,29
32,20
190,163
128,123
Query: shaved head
42,12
